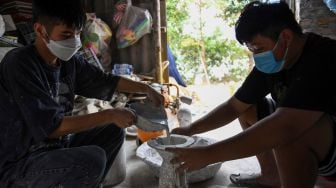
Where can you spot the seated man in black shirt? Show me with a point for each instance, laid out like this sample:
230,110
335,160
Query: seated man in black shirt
41,144
292,134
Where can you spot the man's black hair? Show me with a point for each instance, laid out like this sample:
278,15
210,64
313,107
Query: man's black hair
52,12
266,19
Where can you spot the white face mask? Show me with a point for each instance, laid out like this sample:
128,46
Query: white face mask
65,49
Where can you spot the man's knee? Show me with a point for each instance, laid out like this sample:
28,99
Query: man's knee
120,133
248,118
317,140
306,154
263,108
115,132
69,167
93,160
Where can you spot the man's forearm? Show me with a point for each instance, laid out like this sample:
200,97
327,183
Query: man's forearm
220,116
130,86
75,124
271,132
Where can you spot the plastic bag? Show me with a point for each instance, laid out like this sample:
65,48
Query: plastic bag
331,4
97,36
136,22
119,11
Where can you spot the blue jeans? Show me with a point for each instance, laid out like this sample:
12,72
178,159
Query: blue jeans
83,163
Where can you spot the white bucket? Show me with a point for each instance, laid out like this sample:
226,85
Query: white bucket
117,172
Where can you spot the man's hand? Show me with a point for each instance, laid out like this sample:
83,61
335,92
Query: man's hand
186,160
182,131
122,117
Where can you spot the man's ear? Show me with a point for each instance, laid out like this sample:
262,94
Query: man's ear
287,35
39,30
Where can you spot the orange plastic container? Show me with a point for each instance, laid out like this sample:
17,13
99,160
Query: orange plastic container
145,136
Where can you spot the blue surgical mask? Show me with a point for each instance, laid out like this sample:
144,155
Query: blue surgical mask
266,62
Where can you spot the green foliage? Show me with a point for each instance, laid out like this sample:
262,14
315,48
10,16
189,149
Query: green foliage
230,9
227,54
221,53
176,16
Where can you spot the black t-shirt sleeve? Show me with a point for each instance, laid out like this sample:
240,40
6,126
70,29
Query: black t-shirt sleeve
39,111
253,88
91,82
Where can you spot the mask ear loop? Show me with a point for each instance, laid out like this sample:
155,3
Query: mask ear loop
46,36
276,45
285,55
286,52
